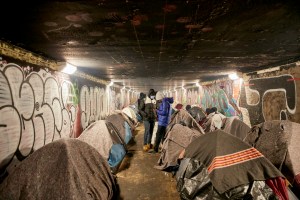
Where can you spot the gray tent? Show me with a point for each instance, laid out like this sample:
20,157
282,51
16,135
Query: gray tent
184,118
236,127
279,142
218,165
122,125
197,113
105,138
178,138
64,169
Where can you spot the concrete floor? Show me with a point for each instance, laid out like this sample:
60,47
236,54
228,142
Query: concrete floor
138,179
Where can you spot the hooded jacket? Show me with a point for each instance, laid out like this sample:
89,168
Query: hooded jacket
147,108
164,111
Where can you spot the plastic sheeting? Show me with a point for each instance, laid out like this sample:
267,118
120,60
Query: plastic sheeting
193,182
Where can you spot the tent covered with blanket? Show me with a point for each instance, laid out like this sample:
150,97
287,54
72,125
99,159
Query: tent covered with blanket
132,114
178,138
278,140
236,127
107,141
183,117
64,169
218,165
122,124
197,113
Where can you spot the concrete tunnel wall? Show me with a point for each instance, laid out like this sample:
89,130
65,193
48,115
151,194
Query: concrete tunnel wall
39,105
256,98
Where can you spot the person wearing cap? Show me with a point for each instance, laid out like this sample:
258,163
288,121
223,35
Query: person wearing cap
148,110
164,111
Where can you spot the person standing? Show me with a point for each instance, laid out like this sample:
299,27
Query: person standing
140,100
148,110
164,112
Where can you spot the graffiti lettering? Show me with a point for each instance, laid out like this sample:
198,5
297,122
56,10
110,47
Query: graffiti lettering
264,87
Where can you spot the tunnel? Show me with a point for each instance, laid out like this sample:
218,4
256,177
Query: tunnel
127,99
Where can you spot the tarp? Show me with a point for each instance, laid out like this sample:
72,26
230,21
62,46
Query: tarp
64,169
179,137
278,140
236,127
193,183
230,161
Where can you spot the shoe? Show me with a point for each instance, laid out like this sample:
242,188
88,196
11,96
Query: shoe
146,147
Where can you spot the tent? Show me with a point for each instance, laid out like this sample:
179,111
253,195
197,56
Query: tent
279,142
184,118
236,127
121,125
64,169
128,111
218,165
134,107
107,141
178,138
197,113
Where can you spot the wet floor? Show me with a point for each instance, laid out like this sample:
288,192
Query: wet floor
138,179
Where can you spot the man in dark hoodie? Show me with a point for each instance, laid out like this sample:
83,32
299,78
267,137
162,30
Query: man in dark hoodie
164,111
148,110
140,100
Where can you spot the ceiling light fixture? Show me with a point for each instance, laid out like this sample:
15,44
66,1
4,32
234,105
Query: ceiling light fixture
111,84
67,68
233,76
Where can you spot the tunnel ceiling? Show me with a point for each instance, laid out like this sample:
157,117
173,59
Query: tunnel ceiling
159,44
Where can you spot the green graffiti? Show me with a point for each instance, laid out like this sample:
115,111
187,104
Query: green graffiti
74,91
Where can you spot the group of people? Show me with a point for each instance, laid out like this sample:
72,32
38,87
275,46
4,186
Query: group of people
154,107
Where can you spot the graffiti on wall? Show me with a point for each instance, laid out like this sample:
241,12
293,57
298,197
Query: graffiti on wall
219,95
92,104
38,107
271,98
33,111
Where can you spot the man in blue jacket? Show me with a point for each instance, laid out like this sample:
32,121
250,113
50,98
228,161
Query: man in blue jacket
164,111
